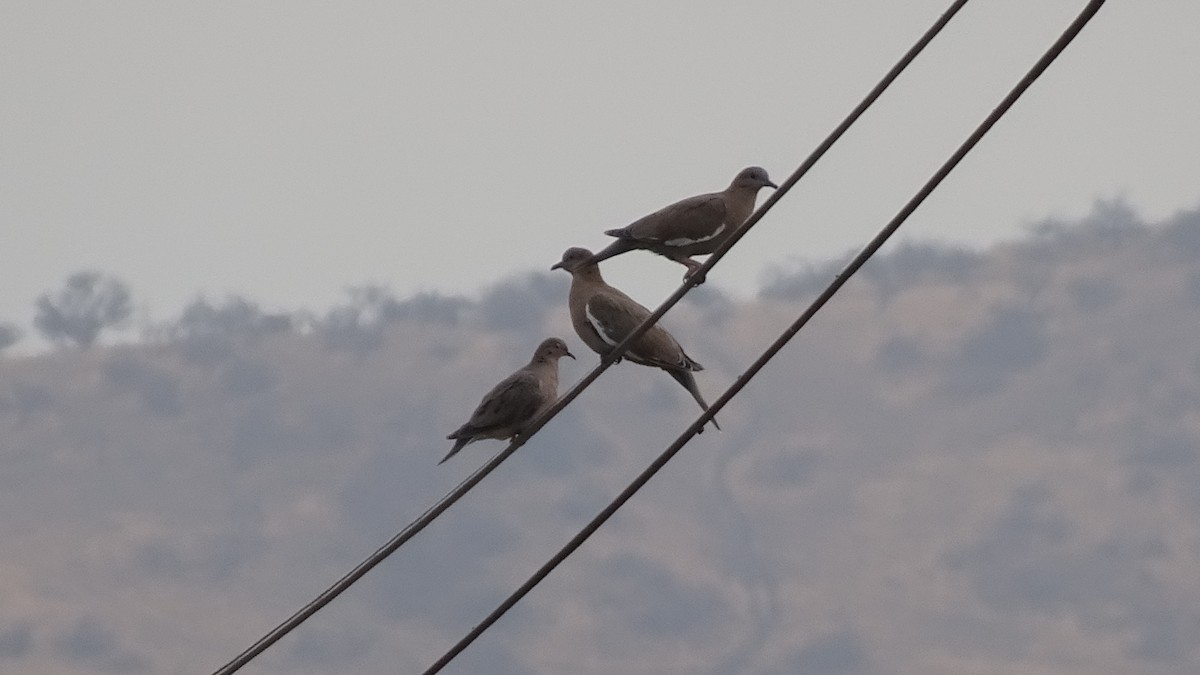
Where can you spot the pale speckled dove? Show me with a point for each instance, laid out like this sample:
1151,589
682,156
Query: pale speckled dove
517,400
694,226
603,316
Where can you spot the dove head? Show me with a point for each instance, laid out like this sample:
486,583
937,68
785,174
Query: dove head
574,259
752,178
552,349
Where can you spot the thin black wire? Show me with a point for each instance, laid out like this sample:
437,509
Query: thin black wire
1047,58
465,486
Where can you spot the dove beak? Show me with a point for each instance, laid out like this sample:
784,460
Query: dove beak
557,266
771,185
571,355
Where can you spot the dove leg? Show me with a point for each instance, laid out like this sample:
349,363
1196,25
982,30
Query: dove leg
692,266
693,273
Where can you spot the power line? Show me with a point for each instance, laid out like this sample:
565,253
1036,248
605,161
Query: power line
462,488
1044,62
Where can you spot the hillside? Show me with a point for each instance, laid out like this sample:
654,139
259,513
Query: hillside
977,462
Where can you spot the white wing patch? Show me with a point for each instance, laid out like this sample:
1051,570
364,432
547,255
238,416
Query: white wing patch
600,330
684,241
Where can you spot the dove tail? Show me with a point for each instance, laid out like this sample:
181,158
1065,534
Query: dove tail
616,248
462,441
688,381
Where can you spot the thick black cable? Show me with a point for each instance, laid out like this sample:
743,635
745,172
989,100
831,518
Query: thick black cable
1051,54
462,488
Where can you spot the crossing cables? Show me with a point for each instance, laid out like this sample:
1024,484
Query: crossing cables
439,507
857,262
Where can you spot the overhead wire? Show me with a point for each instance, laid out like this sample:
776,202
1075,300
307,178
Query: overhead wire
742,380
444,503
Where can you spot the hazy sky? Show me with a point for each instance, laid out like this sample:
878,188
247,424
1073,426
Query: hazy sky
288,150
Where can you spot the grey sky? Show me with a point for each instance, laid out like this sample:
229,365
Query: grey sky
286,151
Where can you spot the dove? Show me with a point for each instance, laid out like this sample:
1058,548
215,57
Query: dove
516,401
694,226
603,316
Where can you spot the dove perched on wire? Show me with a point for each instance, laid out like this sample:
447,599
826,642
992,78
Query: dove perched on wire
516,401
603,316
694,226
